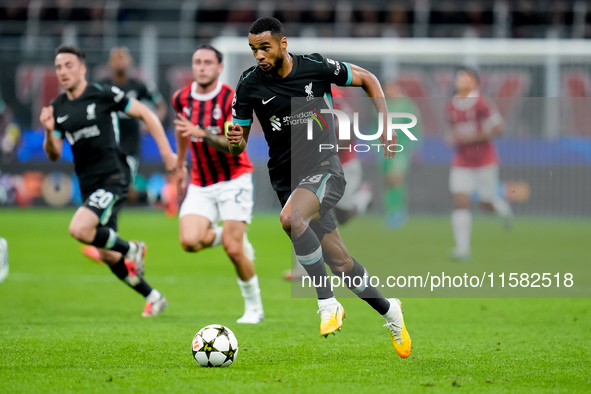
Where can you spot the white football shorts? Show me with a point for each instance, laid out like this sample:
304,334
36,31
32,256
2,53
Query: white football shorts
484,180
228,200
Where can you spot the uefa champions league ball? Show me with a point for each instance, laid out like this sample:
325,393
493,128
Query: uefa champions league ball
215,346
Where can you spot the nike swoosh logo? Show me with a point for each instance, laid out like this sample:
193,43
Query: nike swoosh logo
266,101
62,119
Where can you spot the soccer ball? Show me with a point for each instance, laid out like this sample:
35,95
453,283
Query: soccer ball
215,346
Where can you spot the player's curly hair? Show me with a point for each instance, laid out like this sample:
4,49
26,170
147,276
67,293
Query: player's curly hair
267,23
73,50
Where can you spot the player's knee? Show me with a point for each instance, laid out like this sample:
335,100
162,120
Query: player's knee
233,249
295,224
190,245
462,201
81,233
285,219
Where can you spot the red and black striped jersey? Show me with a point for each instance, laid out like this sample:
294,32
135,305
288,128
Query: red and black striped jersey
210,111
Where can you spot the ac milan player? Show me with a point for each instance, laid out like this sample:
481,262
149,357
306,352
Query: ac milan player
474,123
221,184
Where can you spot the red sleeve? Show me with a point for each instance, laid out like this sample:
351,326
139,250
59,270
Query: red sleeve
175,101
228,105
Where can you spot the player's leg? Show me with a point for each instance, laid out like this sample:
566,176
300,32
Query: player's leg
127,272
354,201
488,181
97,209
197,219
138,196
196,233
104,216
235,202
302,207
356,277
461,184
396,193
233,241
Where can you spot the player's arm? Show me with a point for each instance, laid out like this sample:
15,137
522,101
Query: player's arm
491,126
483,136
182,145
52,144
371,85
237,138
141,111
186,129
450,137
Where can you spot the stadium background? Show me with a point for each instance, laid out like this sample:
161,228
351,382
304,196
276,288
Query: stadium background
533,59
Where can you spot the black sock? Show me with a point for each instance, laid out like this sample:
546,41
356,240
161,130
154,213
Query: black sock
309,254
135,282
107,238
359,284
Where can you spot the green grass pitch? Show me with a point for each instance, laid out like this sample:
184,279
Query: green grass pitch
67,324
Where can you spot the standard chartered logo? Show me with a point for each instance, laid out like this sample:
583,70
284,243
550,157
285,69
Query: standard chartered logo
275,123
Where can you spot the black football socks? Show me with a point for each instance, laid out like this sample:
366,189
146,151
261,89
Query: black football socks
309,254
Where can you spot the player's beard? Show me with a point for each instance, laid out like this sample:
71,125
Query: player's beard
274,71
207,84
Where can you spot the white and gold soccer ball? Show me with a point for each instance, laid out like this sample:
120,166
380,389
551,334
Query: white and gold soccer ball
215,346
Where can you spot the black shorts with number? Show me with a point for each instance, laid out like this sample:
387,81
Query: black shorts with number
106,201
328,183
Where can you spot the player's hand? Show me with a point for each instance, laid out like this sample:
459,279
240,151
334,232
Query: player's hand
170,161
234,134
46,118
450,139
181,182
186,128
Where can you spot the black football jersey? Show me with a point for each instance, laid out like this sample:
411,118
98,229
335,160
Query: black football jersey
91,125
130,127
284,122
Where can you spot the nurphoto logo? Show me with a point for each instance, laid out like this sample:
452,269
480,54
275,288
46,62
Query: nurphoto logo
344,130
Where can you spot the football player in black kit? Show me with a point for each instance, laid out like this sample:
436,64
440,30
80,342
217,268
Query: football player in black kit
120,61
308,183
86,115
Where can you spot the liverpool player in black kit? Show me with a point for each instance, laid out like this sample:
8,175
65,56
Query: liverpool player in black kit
120,61
308,183
86,115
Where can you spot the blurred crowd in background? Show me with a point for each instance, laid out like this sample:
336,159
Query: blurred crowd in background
332,18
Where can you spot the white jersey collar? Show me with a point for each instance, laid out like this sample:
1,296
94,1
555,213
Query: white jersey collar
205,96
